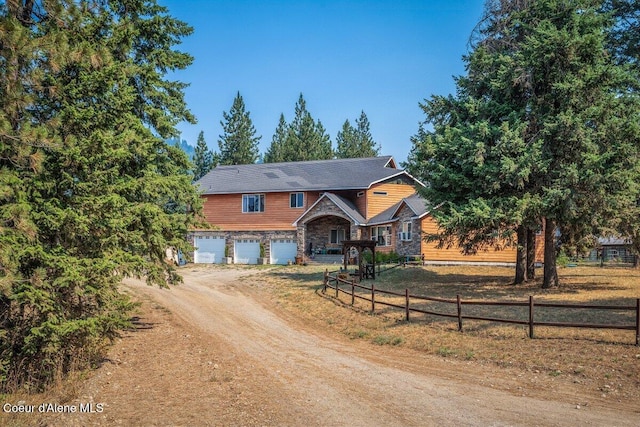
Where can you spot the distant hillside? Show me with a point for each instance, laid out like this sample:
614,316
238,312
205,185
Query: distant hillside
184,145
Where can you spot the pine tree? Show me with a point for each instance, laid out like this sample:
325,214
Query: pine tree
275,152
91,193
533,131
368,147
356,142
202,158
346,142
238,143
306,139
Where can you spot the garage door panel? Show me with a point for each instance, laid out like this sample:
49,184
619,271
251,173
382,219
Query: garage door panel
209,249
283,251
246,251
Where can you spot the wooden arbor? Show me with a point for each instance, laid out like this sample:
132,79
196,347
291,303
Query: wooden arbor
365,271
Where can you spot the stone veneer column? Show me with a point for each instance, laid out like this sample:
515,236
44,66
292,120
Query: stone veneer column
356,232
300,237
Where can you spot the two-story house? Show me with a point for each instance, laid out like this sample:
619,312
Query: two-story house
282,211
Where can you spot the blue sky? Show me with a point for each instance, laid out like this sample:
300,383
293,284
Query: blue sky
380,57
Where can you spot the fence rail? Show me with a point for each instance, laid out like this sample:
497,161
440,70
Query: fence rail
333,281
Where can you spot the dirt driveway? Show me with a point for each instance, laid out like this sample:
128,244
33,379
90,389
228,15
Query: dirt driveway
213,351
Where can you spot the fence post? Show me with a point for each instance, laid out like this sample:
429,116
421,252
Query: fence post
638,321
353,297
531,316
406,299
325,281
373,298
459,305
337,284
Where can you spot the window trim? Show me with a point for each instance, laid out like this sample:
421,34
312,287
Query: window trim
338,231
261,199
406,233
387,238
296,194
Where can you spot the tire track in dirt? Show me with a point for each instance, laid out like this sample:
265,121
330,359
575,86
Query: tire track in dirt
302,379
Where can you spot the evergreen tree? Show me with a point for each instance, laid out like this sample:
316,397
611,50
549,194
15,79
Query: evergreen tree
202,158
306,139
90,191
275,153
368,147
346,142
356,142
533,132
238,143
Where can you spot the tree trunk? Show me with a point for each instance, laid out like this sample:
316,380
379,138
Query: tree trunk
550,270
531,254
521,256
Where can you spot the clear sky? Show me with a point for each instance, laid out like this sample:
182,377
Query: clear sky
380,57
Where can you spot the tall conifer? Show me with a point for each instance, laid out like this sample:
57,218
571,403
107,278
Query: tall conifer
275,152
202,158
306,139
90,191
534,131
238,143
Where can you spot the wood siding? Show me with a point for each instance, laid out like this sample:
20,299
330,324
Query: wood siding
431,253
225,212
377,203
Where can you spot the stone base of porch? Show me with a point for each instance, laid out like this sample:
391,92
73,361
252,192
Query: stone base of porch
325,259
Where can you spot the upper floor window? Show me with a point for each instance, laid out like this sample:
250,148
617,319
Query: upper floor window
296,200
252,203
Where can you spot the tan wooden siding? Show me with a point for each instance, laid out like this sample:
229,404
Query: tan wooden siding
378,203
431,253
225,212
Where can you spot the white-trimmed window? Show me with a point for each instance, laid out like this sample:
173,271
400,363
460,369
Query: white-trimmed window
382,235
405,234
336,235
296,200
252,203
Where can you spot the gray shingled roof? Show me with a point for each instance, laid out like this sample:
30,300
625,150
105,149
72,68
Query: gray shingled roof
614,241
319,175
415,202
418,205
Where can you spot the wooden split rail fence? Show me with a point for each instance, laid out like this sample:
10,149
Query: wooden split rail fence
333,281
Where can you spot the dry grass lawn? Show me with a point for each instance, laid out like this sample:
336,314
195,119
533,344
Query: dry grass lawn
606,361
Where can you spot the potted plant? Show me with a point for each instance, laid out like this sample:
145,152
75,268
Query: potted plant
262,260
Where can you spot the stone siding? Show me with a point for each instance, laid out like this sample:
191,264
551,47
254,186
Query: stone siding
411,247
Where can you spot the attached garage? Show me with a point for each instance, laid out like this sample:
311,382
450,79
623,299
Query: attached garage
283,250
209,249
246,251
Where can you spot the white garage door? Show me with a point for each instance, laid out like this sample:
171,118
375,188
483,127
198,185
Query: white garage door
283,250
246,251
209,249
